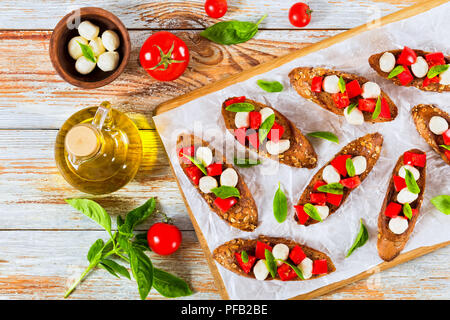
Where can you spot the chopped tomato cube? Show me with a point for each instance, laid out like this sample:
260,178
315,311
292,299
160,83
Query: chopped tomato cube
351,183
297,255
334,199
320,266
341,100
255,119
318,198
446,136
367,105
407,57
339,164
415,159
427,81
392,209
399,183
253,140
414,212
245,266
302,216
235,100
316,85
276,132
260,251
405,77
385,111
286,272
353,89
240,135
435,58
447,154
189,151
225,204
214,169
194,173
318,184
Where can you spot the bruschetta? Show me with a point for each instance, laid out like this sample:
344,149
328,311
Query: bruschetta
345,94
427,71
332,184
433,124
219,183
247,258
269,133
401,206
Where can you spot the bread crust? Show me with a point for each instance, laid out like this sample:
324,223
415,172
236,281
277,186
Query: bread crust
244,214
300,154
417,82
422,114
225,254
301,79
390,244
368,146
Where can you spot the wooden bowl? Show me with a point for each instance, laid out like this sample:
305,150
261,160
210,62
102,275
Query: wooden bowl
66,29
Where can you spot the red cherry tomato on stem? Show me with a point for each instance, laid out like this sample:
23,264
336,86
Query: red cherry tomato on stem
300,14
164,56
216,8
163,238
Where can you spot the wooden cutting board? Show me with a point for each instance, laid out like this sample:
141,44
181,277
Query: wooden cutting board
265,67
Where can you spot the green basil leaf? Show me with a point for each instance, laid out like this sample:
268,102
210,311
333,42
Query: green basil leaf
377,110
140,241
324,135
111,271
444,146
137,215
361,238
312,212
407,211
142,270
169,285
92,210
265,127
225,192
87,52
120,221
437,70
351,107
197,163
397,70
341,84
270,86
271,263
334,188
350,167
117,268
294,267
240,107
411,182
244,256
231,32
246,163
442,203
280,205
124,242
95,251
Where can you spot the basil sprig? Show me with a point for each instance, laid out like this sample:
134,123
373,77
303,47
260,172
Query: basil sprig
265,127
444,146
312,212
225,192
377,110
271,263
246,163
437,70
197,163
244,256
87,52
361,239
240,107
324,135
280,205
341,84
407,211
396,71
350,167
442,203
294,267
270,86
411,183
351,107
231,32
334,188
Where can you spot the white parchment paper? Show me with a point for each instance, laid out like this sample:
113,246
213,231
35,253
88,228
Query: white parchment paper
428,31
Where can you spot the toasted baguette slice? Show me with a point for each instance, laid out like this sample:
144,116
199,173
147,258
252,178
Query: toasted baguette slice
374,62
422,114
225,254
301,79
244,214
300,153
368,146
390,244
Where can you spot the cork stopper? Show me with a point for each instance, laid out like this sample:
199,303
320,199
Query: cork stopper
81,141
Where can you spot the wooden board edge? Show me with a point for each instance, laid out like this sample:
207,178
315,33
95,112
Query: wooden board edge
277,62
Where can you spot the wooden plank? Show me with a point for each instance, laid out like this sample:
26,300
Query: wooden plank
180,14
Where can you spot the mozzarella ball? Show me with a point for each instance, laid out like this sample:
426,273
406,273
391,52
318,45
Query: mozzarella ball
88,30
204,155
356,117
360,164
330,84
265,113
97,46
323,211
445,77
330,175
398,225
420,67
275,148
84,66
111,40
438,125
241,120
370,90
306,267
229,178
406,196
387,62
280,251
74,47
206,183
260,270
414,171
108,61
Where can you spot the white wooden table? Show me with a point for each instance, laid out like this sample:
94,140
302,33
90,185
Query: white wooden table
43,241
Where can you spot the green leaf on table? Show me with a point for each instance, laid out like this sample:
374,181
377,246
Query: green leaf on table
437,70
270,86
294,267
280,205
240,107
411,183
377,111
225,192
198,164
116,268
334,188
87,52
92,210
140,241
142,269
137,216
360,240
169,285
341,84
246,163
324,135
311,211
442,203
271,263
350,167
407,211
396,71
244,256
265,127
95,251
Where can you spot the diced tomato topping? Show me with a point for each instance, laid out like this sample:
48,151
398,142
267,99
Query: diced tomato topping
194,173
260,251
407,57
225,204
302,216
405,77
318,198
240,135
253,139
245,266
318,184
353,89
414,212
385,112
446,136
255,119
399,183
297,255
190,151
316,85
320,266
286,272
415,159
276,132
447,154
392,210
341,100
351,183
235,100
427,81
214,169
334,199
434,59
367,105
339,164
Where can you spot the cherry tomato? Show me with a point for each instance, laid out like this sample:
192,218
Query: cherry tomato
300,14
163,238
164,56
216,8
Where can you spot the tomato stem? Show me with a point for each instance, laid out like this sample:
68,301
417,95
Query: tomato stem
166,58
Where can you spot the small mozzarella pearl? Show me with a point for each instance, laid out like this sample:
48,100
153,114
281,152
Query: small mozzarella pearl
108,61
74,48
84,66
241,120
406,196
111,40
306,267
420,68
260,270
88,30
330,84
355,117
398,225
414,171
438,125
330,175
265,113
204,154
280,251
97,46
370,90
229,178
275,148
445,77
323,211
207,183
387,62
360,164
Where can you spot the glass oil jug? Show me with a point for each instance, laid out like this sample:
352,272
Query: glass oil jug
98,150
